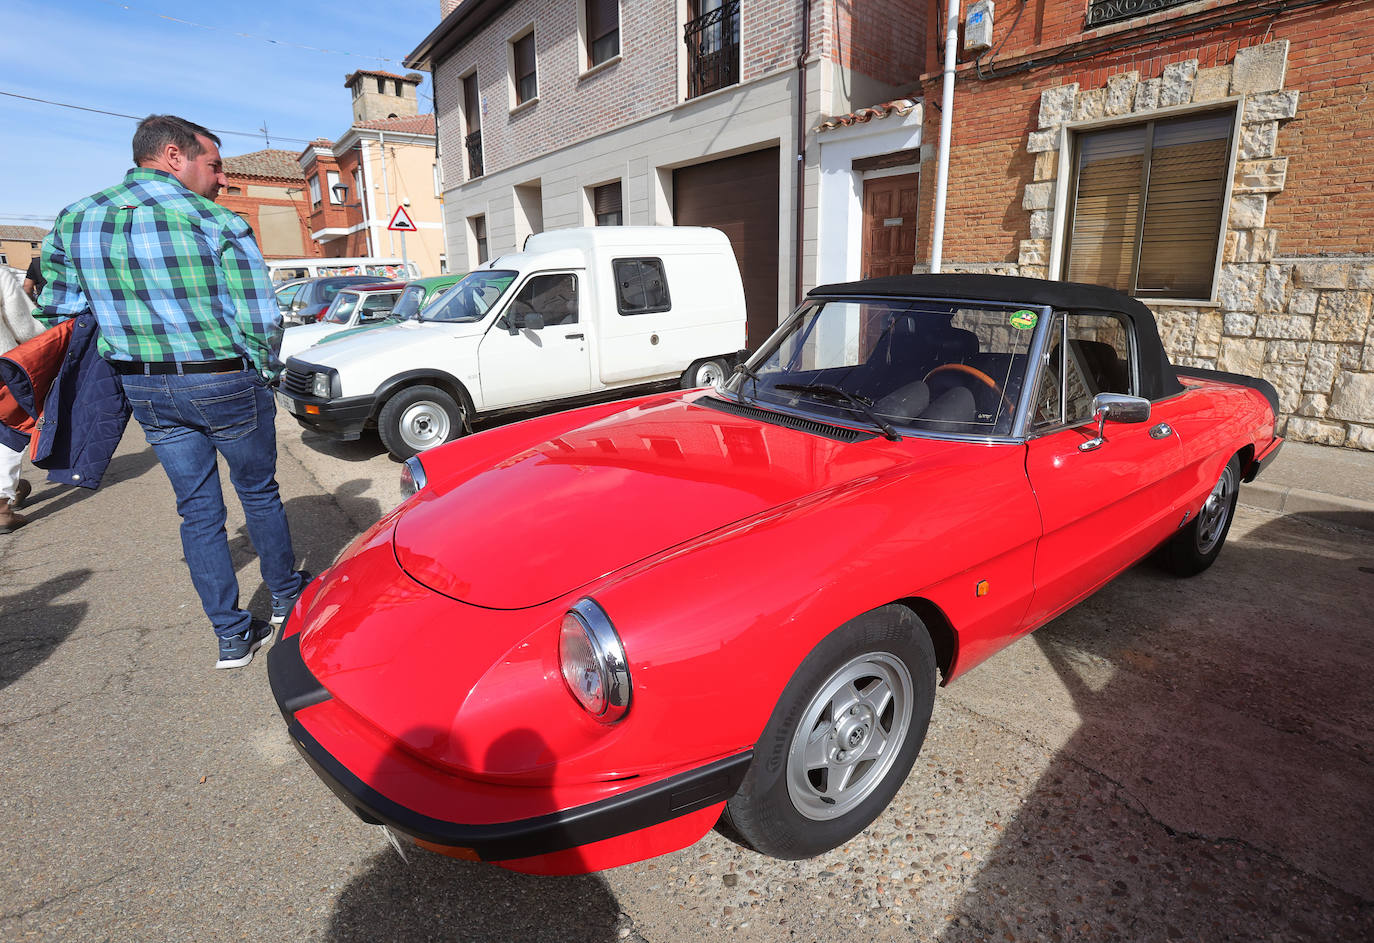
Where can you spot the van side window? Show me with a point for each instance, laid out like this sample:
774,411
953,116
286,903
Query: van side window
554,297
640,286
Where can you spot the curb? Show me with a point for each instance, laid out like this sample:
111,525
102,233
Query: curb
1350,512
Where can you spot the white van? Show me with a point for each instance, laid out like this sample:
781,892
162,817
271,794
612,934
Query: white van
578,314
285,269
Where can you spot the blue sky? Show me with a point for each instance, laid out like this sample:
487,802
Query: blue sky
134,58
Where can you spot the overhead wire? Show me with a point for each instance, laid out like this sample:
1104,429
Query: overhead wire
271,41
116,114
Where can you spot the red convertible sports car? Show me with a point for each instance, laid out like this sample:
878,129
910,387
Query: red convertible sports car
587,638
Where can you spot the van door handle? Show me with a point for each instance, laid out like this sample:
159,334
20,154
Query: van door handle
573,337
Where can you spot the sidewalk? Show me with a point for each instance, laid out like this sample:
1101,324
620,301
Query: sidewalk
1334,484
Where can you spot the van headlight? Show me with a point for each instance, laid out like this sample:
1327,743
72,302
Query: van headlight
593,662
322,385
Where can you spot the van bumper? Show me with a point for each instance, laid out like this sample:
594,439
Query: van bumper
340,418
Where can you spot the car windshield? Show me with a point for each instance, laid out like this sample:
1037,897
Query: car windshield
341,309
285,293
409,302
924,366
471,298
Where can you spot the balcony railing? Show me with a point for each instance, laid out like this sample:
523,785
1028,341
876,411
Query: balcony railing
1111,11
713,49
473,142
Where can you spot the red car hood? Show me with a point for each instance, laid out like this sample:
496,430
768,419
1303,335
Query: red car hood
586,503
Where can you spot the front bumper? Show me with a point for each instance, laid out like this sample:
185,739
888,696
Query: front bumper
341,418
301,697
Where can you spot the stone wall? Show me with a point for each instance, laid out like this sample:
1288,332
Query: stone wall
1304,324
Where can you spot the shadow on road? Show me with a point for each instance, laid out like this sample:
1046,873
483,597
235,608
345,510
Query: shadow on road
435,897
1218,785
34,623
317,532
51,498
438,898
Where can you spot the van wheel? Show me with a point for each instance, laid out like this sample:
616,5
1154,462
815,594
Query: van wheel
704,373
419,418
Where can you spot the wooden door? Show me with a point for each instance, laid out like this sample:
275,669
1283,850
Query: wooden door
889,246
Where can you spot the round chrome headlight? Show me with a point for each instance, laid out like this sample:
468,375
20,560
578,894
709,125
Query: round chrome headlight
412,476
593,662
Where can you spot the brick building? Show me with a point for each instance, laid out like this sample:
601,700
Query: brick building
267,189
1208,157
387,158
555,113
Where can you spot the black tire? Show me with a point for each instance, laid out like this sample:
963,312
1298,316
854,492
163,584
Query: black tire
1196,546
789,804
704,373
418,418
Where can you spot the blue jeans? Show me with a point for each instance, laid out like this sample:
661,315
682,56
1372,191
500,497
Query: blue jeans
187,419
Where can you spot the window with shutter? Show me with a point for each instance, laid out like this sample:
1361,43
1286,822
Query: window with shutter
606,205
603,31
526,86
1145,208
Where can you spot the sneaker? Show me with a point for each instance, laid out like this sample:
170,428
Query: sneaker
237,650
282,605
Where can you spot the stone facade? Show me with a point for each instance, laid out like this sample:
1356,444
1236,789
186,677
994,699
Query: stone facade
1294,289
1302,324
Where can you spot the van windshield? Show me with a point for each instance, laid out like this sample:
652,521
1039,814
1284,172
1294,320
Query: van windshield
470,299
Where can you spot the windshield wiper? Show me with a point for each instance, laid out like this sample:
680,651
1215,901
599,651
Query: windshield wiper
743,369
835,392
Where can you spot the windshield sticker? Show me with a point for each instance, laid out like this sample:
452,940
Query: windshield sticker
1023,320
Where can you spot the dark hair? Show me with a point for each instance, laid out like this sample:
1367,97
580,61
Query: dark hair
157,131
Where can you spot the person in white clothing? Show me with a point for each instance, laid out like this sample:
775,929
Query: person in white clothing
17,325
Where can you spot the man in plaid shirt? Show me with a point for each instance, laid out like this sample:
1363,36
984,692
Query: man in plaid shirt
189,320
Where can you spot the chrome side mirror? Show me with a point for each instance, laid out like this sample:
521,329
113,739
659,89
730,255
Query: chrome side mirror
1120,408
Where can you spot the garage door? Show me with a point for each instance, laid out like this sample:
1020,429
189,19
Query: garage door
739,196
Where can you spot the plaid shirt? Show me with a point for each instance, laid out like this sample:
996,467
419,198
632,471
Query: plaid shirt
168,274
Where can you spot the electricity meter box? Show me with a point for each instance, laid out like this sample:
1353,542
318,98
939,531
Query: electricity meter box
978,26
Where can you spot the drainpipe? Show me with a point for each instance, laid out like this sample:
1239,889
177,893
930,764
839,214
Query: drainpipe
937,236
365,198
386,191
798,238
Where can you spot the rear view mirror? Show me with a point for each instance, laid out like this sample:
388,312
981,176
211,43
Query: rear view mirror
534,321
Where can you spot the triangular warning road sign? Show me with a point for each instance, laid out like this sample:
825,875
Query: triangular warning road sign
401,221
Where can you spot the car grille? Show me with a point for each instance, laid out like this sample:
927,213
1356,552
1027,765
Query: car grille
296,381
838,433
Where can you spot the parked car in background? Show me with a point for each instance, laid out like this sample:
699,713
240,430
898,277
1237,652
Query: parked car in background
390,269
588,637
580,313
421,293
315,295
286,293
354,306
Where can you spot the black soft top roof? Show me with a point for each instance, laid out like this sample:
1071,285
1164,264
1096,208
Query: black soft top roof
1157,377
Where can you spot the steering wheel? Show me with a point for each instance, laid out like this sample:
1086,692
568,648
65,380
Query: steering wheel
977,374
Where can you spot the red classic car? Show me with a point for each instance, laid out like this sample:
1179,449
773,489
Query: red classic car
588,638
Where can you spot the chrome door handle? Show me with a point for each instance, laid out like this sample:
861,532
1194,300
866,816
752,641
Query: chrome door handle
1161,431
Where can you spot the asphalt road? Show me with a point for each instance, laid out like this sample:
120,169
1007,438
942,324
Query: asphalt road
1171,760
